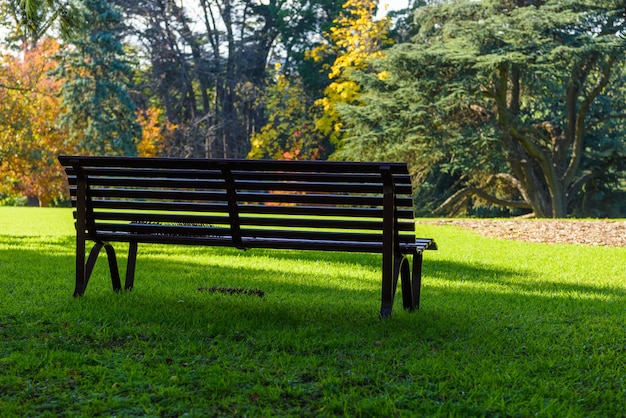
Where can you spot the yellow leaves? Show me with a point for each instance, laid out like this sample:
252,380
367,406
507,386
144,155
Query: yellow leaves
356,38
383,75
289,132
344,91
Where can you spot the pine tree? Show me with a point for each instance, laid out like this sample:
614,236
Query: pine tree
30,20
97,107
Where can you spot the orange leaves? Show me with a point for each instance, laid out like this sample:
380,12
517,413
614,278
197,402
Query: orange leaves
156,131
30,139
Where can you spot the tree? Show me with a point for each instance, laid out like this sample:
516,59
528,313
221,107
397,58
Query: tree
30,139
32,19
209,63
511,98
290,130
156,133
354,40
98,111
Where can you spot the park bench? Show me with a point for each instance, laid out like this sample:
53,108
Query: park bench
299,205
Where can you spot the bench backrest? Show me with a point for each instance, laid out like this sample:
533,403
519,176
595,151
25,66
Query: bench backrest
243,203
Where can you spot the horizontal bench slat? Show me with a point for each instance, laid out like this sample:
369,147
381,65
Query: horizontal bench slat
312,235
166,183
245,197
233,164
265,176
297,176
184,230
122,183
245,221
159,206
313,210
269,243
363,212
313,207
155,173
160,229
319,199
318,223
194,184
172,195
311,187
159,218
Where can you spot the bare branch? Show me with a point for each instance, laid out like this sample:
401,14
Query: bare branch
501,202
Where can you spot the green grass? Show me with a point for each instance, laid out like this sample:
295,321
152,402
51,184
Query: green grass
505,329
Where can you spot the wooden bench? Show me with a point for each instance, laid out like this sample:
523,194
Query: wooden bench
299,205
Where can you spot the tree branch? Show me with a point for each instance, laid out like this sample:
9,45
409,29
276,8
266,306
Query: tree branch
604,119
26,90
464,194
578,184
506,124
577,146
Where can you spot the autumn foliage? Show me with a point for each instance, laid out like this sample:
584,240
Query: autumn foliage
156,132
356,39
30,139
290,132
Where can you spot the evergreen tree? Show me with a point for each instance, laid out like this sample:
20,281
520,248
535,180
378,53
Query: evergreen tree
97,106
31,19
519,103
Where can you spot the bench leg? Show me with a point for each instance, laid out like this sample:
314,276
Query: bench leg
411,282
113,269
405,276
390,283
130,266
83,272
91,262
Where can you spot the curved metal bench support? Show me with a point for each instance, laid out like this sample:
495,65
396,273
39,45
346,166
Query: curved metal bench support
130,266
411,281
81,282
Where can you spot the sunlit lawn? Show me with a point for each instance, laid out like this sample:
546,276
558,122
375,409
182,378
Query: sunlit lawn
505,329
